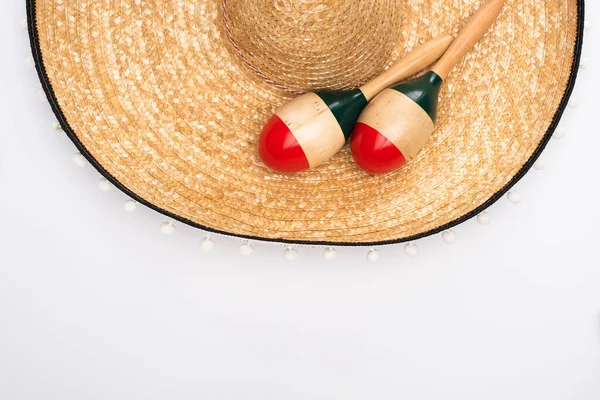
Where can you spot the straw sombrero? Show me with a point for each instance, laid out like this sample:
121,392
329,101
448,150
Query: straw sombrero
167,100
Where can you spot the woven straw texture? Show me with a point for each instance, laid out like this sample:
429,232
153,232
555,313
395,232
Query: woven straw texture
160,100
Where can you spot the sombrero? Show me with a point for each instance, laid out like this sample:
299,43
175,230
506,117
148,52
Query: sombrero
167,100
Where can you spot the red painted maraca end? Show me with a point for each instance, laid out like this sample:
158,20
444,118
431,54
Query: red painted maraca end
279,149
373,152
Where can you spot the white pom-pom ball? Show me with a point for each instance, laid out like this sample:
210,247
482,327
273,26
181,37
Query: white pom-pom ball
129,205
56,126
29,61
411,250
574,102
207,244
373,256
329,254
79,160
584,63
291,254
540,165
23,22
559,133
246,249
587,25
514,197
167,228
449,236
484,218
104,185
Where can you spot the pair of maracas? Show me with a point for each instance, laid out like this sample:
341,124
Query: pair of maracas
396,122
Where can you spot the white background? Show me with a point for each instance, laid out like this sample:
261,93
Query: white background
96,303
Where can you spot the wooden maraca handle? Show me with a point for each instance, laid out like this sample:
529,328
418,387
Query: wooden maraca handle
415,61
472,33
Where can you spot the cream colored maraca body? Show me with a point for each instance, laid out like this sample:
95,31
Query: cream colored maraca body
382,115
308,116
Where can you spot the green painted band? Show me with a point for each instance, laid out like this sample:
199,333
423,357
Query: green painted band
346,107
424,91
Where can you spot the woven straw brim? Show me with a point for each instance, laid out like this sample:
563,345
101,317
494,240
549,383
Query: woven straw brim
155,96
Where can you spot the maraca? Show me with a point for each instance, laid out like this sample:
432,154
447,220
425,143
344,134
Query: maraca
311,128
397,124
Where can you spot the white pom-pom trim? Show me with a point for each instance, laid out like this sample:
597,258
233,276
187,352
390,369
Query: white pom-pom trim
246,249
167,228
56,126
291,254
584,63
329,254
79,160
574,102
373,256
484,218
411,250
130,205
540,165
104,185
207,244
23,22
559,133
449,236
514,197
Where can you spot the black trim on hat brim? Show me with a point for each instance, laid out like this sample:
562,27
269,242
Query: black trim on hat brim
41,70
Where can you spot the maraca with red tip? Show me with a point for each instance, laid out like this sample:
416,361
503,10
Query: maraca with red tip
311,128
397,124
